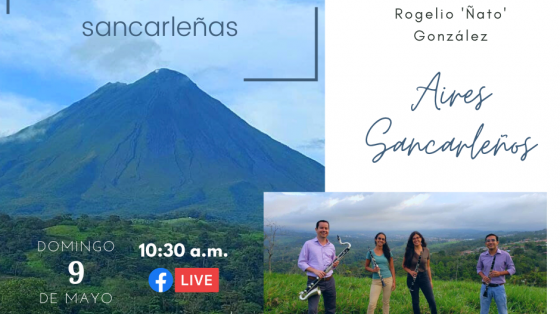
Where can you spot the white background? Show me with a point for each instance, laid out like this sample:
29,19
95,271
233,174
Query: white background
374,64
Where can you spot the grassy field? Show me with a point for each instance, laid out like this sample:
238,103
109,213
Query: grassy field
281,296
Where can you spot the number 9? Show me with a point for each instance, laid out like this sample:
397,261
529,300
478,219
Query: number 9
80,272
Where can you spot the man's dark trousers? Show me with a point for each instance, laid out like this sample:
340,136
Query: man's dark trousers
328,291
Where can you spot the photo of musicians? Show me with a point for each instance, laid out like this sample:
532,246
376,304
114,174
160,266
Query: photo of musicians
405,253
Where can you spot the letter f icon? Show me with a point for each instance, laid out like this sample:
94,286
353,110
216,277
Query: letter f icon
160,282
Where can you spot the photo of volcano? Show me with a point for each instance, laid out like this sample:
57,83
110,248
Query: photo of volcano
130,163
158,145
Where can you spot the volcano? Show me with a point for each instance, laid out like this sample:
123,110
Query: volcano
155,146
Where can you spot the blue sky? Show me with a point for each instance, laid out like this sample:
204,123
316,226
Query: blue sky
409,211
46,64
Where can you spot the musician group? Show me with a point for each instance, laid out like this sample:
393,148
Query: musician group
319,255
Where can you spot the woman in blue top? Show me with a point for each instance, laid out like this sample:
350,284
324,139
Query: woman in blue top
380,260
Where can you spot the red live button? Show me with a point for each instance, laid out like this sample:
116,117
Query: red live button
197,280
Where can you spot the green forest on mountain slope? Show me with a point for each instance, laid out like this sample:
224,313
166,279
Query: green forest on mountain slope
160,145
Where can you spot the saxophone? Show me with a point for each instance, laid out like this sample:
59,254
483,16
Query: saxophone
313,288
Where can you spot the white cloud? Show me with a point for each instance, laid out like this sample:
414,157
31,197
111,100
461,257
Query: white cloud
331,202
275,39
121,58
416,200
402,211
412,201
293,193
17,112
348,199
356,198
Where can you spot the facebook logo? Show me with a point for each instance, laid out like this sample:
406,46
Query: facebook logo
160,280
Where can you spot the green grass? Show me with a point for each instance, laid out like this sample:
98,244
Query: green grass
36,263
281,296
65,232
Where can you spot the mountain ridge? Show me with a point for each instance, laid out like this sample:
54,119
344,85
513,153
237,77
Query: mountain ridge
160,143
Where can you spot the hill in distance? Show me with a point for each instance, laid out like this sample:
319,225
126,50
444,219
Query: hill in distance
154,146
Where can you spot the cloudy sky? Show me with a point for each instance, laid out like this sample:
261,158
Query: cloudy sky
46,63
406,211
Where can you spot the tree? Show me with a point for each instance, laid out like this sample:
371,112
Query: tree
21,296
83,223
270,230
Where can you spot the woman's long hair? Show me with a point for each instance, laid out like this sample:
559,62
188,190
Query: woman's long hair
386,250
409,253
